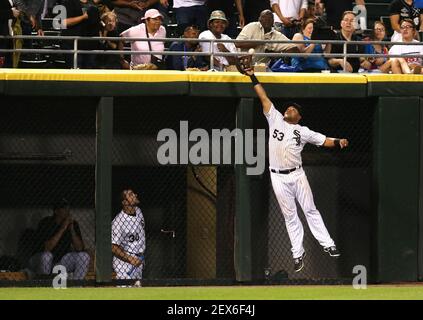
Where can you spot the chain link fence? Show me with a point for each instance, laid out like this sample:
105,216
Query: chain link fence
188,209
47,168
48,153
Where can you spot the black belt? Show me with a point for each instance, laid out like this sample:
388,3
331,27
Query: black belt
284,171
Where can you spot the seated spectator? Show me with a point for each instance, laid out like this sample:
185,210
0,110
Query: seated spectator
59,242
382,64
334,10
130,12
228,7
217,25
188,13
346,34
288,15
184,62
263,30
309,64
407,65
404,9
108,29
7,14
150,28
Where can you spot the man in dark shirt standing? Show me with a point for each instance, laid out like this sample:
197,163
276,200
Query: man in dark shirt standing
82,20
59,242
346,34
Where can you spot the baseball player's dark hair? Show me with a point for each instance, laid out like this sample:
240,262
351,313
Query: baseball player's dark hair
288,104
60,204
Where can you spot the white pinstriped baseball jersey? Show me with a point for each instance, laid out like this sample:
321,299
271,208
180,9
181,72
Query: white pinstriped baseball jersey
286,141
128,232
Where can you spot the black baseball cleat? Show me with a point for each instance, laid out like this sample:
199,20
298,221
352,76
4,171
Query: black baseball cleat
332,251
299,263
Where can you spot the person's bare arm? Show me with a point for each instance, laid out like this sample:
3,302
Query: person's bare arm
148,4
69,22
122,255
395,19
335,62
77,242
335,143
240,10
360,2
421,22
127,4
301,46
302,13
222,48
246,45
261,93
51,243
276,9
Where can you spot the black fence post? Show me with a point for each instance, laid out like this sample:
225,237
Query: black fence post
103,190
243,245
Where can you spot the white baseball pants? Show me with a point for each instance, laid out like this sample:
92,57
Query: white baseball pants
287,188
125,270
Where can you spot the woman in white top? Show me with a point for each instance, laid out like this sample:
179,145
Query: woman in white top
217,24
406,65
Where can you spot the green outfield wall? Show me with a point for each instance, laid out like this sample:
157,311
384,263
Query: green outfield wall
378,223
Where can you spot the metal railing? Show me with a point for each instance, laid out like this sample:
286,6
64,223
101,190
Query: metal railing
211,53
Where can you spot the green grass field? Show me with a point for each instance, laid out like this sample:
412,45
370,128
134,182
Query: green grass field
401,292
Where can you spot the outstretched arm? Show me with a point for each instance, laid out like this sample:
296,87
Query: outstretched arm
261,93
335,143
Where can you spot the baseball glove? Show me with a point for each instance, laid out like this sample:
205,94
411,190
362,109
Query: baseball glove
244,63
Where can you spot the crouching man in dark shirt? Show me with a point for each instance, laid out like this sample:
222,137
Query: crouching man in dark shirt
59,242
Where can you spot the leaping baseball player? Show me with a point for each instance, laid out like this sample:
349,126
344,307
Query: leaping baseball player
286,141
128,238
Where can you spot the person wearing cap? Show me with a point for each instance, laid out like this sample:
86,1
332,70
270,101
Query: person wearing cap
217,24
287,139
152,24
59,242
234,12
263,30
